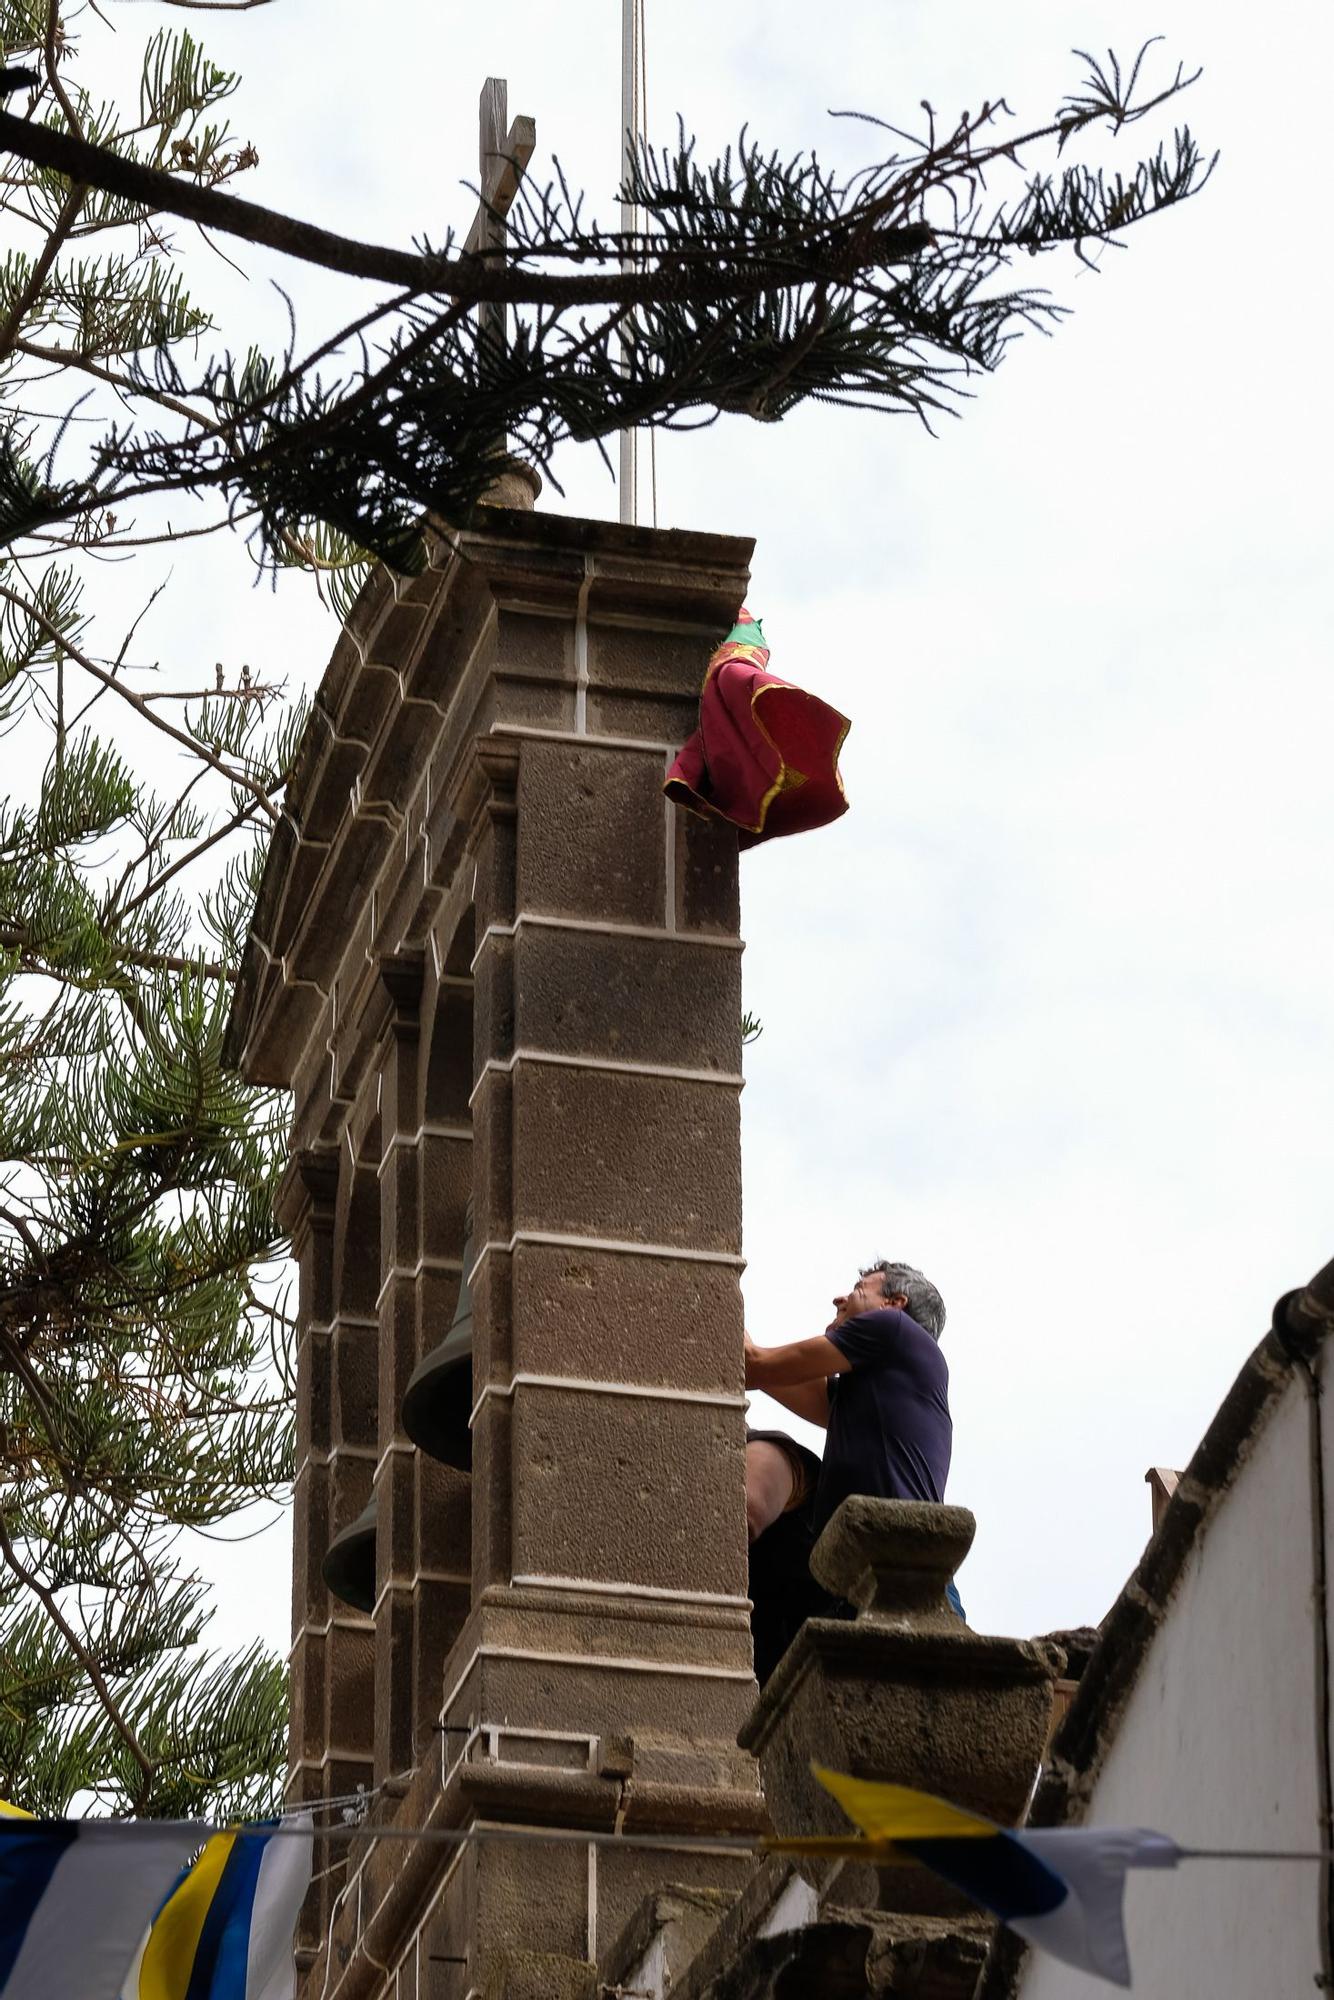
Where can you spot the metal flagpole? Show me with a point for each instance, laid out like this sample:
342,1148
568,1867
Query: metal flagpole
629,454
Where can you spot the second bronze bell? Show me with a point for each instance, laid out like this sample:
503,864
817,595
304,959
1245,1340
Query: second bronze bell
437,1402
349,1564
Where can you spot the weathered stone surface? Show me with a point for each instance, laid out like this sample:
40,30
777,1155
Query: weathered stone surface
535,646
397,1349
445,1165
641,1159
614,1489
537,1975
356,1370
894,1558
518,704
314,1400
627,999
627,1319
904,1693
663,721
444,1505
564,788
665,661
708,895
350,1688
396,1518
394,1672
493,1157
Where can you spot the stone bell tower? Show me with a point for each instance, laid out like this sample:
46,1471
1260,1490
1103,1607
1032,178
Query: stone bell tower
501,975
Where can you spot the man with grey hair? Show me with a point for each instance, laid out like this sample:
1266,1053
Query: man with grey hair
876,1382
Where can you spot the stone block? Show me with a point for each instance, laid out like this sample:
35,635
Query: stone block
591,833
314,1399
616,1318
311,1535
437,1296
399,1067
396,1518
537,1975
360,848
493,1322
302,874
449,649
393,1684
399,1204
520,704
493,1004
356,1364
350,1688
496,853
637,1916
639,1159
620,1490
708,892
397,1353
664,661
350,1477
324,806
906,1693
627,999
537,1894
307,1669
493,1157
445,1180
492,1559
371,693
398,630
664,721
444,1505
535,647
605,1698
439,1613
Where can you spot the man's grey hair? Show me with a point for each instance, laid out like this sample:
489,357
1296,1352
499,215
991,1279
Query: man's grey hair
925,1304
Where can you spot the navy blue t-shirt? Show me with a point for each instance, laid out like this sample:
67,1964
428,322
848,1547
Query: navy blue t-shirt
889,1416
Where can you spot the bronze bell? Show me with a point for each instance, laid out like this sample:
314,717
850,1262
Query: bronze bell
349,1564
438,1399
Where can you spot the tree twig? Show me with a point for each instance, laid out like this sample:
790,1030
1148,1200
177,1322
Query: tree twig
137,702
469,279
47,1599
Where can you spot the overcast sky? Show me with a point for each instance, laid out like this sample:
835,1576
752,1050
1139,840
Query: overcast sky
1048,1012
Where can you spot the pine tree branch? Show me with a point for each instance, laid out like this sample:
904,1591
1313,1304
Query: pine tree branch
137,702
52,74
67,357
470,279
47,1600
41,269
15,938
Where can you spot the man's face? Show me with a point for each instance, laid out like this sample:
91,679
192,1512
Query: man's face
867,1295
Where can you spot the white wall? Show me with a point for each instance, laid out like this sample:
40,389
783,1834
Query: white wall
1217,1748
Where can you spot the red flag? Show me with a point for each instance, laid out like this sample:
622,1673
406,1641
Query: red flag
765,755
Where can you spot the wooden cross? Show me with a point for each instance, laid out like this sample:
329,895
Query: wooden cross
503,151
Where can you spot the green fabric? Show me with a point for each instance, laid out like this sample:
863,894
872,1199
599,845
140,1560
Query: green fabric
747,632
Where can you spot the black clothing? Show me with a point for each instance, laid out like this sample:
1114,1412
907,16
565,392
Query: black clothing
889,1416
782,1591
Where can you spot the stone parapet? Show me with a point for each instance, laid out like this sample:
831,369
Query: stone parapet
904,1692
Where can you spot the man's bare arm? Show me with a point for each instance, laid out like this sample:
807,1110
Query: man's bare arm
805,1399
795,1374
